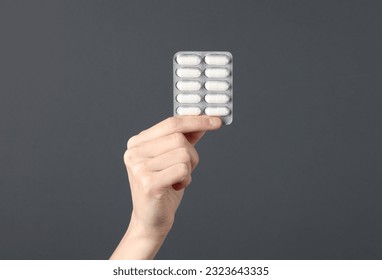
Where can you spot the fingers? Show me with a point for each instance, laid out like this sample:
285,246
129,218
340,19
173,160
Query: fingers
161,145
174,175
184,124
155,158
179,155
164,155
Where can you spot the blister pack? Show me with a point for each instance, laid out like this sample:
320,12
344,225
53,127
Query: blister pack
203,84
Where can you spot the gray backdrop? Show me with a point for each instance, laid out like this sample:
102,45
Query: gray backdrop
296,176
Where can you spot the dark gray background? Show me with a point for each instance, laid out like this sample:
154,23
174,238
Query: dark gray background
296,176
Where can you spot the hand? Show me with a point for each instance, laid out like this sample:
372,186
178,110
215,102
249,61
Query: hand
159,163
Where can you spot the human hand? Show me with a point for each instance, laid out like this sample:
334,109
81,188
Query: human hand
159,163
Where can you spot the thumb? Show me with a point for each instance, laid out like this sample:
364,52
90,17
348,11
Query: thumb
194,137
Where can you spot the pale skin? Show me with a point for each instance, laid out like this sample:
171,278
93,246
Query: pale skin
159,163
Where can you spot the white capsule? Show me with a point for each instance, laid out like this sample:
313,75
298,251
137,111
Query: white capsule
188,85
217,111
188,72
191,111
188,98
188,59
216,85
217,72
217,59
217,98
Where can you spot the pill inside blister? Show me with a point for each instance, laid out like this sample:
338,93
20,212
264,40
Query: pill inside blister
188,85
216,59
216,98
216,85
216,72
188,72
188,98
189,111
188,59
217,111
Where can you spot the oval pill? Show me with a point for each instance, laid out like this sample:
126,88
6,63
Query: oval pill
188,85
188,72
217,98
216,85
188,59
217,111
190,111
217,59
188,98
217,72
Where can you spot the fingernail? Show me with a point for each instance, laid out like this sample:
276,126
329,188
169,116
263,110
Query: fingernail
215,122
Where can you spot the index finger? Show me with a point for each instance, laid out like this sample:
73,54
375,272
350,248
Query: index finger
183,124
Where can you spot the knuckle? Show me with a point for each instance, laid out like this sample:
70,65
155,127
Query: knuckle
189,180
183,170
173,122
136,151
138,169
184,154
128,158
179,138
130,142
197,159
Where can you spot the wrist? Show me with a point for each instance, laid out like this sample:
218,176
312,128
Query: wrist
140,229
138,243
